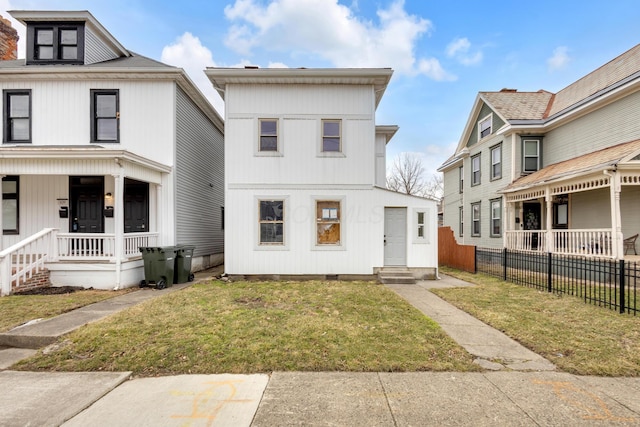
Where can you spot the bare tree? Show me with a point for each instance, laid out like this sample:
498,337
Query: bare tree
434,188
407,175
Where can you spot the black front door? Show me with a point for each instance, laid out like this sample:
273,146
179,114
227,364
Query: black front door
532,221
87,202
136,206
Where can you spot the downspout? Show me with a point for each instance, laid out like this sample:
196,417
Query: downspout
119,220
616,220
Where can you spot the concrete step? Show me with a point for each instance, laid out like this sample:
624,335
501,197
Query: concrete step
400,276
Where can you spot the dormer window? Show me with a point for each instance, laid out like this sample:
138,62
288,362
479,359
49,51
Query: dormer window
484,127
55,43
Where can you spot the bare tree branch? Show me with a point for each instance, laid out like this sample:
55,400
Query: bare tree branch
406,175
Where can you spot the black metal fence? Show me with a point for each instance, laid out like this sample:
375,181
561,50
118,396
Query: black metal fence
598,281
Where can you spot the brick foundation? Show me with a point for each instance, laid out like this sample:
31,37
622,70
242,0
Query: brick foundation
40,279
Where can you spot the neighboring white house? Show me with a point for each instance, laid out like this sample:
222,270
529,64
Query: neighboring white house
103,151
545,172
305,178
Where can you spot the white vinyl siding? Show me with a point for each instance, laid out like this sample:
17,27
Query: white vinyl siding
95,50
199,179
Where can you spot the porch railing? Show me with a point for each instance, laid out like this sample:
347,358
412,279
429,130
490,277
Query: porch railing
20,262
97,247
588,242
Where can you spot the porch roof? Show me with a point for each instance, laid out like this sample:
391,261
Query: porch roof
578,166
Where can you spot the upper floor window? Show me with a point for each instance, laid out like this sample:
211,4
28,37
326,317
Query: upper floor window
105,115
461,221
328,217
461,179
496,162
331,136
55,43
496,218
268,135
484,126
10,204
475,170
17,115
531,155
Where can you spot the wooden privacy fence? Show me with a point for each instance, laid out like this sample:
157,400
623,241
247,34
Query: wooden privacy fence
451,254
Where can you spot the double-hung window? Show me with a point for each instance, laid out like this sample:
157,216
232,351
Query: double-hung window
475,219
475,170
271,222
461,221
17,115
328,218
496,162
10,204
531,155
484,127
331,136
460,179
56,43
496,218
268,135
420,223
105,115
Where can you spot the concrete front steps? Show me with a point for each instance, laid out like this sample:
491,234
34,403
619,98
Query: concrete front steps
396,276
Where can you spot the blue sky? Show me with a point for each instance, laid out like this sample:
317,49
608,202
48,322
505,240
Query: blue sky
443,52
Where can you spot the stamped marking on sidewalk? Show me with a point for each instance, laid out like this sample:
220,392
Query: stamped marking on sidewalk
595,408
207,404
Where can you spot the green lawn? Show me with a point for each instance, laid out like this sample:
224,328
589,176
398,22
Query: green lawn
579,338
248,327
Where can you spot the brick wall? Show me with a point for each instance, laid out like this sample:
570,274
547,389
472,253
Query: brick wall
8,40
40,279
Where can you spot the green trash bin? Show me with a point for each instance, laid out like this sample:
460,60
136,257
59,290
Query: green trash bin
184,254
159,265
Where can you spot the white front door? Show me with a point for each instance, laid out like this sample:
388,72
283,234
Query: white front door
395,235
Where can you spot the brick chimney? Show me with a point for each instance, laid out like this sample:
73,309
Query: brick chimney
8,40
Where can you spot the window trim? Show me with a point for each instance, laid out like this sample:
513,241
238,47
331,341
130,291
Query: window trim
56,27
321,151
273,246
538,155
479,171
343,229
11,196
268,153
94,120
418,226
493,175
6,95
488,118
492,218
477,220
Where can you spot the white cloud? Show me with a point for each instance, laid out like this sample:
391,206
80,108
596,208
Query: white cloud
560,58
331,31
460,50
188,53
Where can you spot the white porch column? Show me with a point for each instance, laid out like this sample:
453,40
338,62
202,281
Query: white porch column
549,220
118,216
1,219
617,249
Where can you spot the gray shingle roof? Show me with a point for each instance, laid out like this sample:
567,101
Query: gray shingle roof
518,105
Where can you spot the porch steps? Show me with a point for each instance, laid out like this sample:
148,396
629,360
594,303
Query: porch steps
396,276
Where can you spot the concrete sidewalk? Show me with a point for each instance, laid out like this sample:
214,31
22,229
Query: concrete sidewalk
538,397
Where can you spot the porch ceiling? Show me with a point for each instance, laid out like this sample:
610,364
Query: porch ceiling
577,167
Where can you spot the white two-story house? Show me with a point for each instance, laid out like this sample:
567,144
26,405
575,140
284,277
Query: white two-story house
103,151
552,172
305,176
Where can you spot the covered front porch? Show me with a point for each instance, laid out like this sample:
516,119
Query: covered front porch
585,206
79,216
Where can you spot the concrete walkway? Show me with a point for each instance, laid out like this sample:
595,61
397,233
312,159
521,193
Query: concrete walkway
540,396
